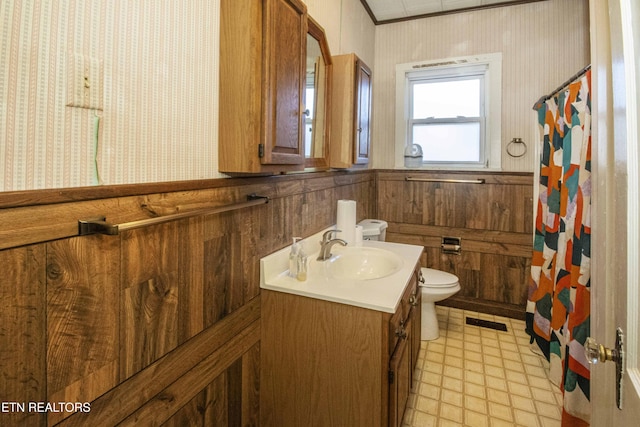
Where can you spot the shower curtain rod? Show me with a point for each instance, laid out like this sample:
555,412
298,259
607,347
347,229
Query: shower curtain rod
562,86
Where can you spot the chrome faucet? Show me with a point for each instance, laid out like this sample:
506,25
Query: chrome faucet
327,243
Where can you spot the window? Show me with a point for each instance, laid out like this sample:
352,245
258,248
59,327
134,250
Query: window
451,108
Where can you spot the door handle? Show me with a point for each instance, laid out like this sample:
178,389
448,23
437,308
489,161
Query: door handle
599,353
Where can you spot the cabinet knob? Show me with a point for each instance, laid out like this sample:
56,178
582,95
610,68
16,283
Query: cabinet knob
401,333
413,300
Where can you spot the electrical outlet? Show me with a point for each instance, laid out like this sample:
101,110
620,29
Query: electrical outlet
84,82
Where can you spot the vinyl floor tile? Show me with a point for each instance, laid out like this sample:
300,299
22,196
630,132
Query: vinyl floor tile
477,377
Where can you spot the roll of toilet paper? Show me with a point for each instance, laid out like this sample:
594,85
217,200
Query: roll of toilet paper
359,231
346,220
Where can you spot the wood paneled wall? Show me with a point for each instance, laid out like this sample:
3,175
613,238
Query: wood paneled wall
161,325
494,221
158,325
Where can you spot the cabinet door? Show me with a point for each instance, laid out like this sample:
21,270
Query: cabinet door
401,318
363,111
285,68
400,380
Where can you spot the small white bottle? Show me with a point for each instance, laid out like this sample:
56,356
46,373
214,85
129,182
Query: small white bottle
293,258
302,264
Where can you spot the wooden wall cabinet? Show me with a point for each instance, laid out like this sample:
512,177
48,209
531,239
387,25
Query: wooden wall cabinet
262,70
351,112
325,363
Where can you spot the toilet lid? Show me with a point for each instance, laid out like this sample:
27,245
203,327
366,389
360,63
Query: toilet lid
437,278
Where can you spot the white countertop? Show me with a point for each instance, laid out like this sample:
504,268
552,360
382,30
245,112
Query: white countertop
382,294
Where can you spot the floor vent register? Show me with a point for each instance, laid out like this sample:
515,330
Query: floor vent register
487,324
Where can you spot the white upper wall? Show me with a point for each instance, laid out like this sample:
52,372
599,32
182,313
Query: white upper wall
347,26
542,45
158,62
157,65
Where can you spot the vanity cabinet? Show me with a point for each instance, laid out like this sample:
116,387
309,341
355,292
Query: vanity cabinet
327,363
262,80
404,334
351,112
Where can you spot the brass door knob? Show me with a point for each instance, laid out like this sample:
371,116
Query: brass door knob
598,353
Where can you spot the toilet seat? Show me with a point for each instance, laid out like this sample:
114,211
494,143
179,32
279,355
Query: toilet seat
438,279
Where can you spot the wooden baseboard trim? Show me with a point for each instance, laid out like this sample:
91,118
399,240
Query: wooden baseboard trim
488,307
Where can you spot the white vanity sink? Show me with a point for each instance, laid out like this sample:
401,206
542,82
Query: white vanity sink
362,263
372,276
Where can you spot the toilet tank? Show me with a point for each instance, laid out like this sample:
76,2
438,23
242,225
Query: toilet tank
373,229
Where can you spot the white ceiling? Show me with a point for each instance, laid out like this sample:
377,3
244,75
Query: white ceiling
391,10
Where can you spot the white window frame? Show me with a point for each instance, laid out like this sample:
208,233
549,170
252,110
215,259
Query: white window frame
491,66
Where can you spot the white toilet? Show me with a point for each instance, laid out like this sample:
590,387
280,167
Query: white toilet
436,285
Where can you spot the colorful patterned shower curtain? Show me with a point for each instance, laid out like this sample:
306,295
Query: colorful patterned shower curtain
558,307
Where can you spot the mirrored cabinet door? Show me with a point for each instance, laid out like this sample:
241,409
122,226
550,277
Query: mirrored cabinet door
317,98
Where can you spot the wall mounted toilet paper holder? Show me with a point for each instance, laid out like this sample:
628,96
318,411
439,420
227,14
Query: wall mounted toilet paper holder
451,245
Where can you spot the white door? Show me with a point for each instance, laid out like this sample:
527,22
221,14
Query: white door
615,288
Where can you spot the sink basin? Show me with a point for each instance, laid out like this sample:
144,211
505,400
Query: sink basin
371,276
363,263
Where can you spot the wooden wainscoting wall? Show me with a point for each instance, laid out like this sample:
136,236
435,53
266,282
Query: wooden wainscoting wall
494,221
157,325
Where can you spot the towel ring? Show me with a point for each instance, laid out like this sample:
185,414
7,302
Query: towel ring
516,141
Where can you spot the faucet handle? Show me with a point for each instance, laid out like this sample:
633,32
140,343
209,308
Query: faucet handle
326,236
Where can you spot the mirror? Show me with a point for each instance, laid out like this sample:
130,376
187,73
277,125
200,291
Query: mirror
318,88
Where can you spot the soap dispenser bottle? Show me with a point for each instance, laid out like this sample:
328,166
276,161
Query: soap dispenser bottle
293,258
302,264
